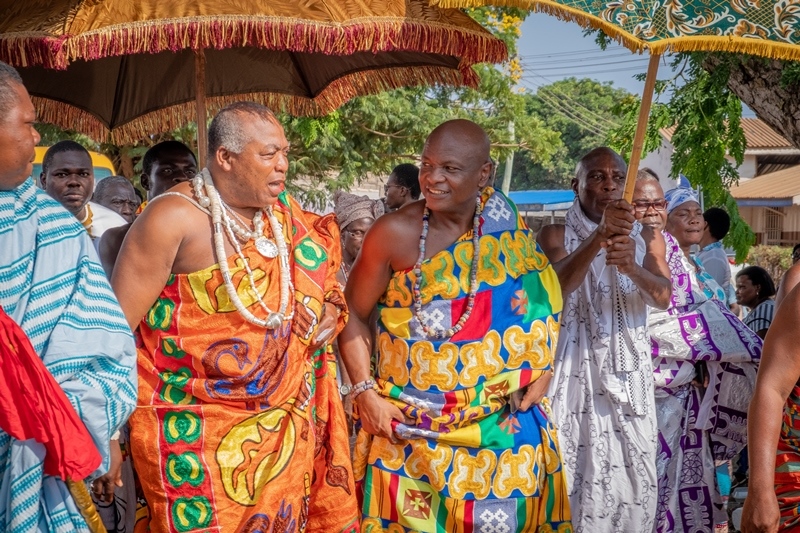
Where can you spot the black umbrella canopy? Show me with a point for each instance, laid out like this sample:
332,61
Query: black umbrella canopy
136,95
128,68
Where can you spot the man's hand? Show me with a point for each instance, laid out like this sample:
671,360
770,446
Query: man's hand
104,486
327,326
376,415
535,391
618,219
761,513
621,253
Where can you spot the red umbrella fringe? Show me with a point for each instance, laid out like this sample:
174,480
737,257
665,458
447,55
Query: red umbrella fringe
331,98
275,33
689,43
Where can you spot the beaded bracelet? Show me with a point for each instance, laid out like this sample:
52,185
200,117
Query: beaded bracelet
360,387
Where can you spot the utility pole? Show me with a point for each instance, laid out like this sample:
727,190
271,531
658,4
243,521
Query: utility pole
509,163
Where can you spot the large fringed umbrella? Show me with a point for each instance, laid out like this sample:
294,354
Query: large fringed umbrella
763,28
33,406
125,69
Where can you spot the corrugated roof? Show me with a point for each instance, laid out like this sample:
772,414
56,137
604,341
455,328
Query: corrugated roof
543,200
782,184
757,134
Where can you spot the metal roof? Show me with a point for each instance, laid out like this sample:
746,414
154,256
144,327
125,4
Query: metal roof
766,189
757,134
544,200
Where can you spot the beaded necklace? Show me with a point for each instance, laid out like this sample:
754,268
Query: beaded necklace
208,196
473,277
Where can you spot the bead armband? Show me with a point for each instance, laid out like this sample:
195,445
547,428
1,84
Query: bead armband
355,390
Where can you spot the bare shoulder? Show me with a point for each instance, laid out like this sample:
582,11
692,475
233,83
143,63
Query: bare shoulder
395,236
109,246
551,235
789,281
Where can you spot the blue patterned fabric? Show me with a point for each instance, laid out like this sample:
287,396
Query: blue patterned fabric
52,285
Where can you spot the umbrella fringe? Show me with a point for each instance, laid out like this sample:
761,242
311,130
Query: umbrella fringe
26,49
704,43
379,34
333,96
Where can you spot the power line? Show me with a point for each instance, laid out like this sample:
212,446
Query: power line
581,59
575,117
584,52
588,65
592,115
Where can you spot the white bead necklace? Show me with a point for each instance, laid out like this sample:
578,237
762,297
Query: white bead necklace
208,196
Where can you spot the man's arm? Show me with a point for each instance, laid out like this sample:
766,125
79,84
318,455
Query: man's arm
571,269
778,373
109,246
368,280
652,277
145,261
788,282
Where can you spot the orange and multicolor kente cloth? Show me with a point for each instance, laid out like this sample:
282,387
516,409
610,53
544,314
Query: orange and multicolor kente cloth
240,428
787,463
470,463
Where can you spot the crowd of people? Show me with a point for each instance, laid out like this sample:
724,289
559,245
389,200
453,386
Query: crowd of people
399,365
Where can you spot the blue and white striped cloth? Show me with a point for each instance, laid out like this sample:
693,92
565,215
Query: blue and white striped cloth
52,285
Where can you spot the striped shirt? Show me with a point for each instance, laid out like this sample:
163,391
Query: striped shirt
761,316
53,286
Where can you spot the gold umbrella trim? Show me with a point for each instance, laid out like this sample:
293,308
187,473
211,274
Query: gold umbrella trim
705,43
333,96
374,34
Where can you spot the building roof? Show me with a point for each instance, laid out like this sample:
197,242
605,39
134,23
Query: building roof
782,187
545,200
757,134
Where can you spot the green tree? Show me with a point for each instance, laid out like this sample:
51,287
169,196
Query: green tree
371,134
706,114
582,112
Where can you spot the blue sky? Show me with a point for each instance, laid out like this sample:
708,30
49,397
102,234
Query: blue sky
551,49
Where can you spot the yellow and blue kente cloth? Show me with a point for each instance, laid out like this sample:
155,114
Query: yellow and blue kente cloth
471,461
53,286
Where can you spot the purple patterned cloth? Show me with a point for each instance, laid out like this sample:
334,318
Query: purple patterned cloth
695,428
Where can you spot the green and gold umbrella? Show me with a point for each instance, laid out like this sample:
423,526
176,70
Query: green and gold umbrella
758,27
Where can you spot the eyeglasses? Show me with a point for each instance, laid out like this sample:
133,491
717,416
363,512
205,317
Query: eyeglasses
389,186
643,205
356,234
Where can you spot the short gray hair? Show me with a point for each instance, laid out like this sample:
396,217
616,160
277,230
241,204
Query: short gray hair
101,189
9,79
226,129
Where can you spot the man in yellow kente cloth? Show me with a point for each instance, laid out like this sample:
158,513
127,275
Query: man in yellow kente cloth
456,437
239,426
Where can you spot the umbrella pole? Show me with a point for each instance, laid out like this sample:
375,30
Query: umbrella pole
641,126
86,506
200,103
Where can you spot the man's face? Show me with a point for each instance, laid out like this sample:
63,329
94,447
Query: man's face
451,174
18,138
354,233
600,182
650,207
70,180
169,169
685,223
260,170
395,193
121,198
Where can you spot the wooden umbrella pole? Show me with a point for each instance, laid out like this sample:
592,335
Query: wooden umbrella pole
200,102
641,126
